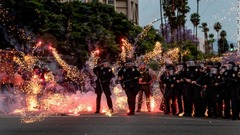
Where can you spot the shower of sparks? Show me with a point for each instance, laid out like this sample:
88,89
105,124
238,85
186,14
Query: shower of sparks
72,72
93,59
120,102
127,50
145,31
156,51
173,54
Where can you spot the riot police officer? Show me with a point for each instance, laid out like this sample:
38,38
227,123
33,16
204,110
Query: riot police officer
169,83
128,77
230,97
220,94
180,85
205,80
104,75
211,83
147,77
192,89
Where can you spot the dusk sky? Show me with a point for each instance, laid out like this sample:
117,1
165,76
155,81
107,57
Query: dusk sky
211,11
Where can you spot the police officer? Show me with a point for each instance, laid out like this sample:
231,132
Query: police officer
104,75
180,85
212,89
205,80
169,83
192,90
128,77
147,77
230,80
220,94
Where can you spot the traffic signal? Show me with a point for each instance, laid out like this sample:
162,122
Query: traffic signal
231,47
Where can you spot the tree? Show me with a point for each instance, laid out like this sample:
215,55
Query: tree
222,42
161,17
205,30
198,14
169,12
195,19
182,10
77,28
217,26
211,41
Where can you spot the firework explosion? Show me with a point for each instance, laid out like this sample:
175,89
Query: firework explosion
157,51
72,72
127,50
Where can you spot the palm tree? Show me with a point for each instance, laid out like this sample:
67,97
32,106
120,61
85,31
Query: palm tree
182,10
211,41
161,17
223,34
222,42
195,19
217,26
169,12
205,30
198,14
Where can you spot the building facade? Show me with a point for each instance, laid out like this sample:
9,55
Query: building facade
127,7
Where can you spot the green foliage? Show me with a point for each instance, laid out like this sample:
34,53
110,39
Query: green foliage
78,28
154,65
193,51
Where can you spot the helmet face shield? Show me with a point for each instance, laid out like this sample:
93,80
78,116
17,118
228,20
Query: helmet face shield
128,64
180,67
106,64
191,63
171,72
214,71
229,66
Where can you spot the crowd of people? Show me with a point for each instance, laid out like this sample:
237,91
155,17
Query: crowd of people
192,89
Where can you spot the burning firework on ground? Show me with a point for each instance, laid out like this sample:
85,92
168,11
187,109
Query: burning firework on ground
42,97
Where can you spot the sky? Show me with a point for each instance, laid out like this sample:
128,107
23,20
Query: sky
211,11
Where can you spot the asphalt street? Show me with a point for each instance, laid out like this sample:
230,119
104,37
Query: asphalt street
119,124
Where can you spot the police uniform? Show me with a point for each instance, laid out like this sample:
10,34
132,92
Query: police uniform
104,76
169,82
230,78
212,80
180,85
192,91
128,77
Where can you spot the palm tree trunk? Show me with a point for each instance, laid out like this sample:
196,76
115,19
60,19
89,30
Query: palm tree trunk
178,27
198,14
161,17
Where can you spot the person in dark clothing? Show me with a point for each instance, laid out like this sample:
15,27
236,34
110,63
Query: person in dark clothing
220,94
230,96
147,77
104,75
180,85
211,83
192,90
128,77
169,83
204,80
